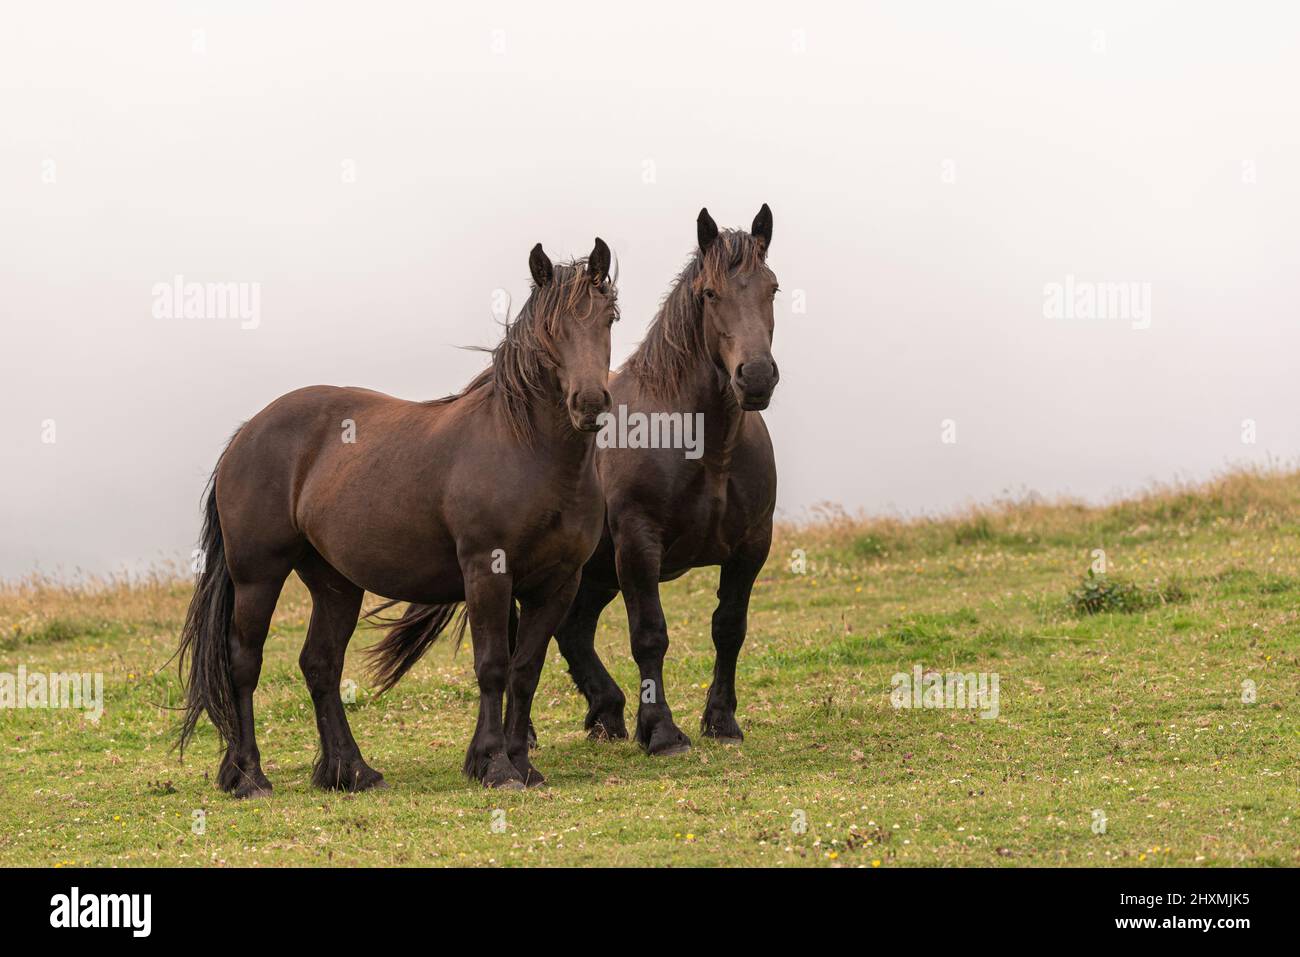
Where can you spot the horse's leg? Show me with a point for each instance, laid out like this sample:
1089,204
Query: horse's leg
335,602
576,637
240,771
638,576
488,602
729,624
514,640
537,624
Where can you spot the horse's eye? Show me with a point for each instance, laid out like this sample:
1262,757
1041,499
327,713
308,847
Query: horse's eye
710,294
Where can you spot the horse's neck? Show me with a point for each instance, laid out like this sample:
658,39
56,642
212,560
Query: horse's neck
554,434
711,394
704,389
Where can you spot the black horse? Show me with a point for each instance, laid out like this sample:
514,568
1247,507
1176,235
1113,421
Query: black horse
708,351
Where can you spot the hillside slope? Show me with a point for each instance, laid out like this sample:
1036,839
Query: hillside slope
1147,716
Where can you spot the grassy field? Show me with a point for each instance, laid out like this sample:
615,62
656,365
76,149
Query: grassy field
1120,700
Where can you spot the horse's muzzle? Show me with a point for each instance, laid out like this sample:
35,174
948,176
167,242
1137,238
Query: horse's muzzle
586,408
754,382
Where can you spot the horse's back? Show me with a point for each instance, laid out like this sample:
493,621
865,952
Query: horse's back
278,444
312,462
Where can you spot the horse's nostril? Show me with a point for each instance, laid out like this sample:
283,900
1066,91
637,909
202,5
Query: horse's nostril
762,372
589,400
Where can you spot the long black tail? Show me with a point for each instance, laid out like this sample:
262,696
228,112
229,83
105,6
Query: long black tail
408,638
205,642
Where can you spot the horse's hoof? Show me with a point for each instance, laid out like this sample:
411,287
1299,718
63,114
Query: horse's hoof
665,740
501,775
534,779
606,724
242,781
531,777
607,729
377,784
672,749
721,727
351,775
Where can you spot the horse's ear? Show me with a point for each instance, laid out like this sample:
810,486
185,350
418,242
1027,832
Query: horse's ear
762,228
539,264
598,262
706,230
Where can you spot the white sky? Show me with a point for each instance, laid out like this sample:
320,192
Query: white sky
477,132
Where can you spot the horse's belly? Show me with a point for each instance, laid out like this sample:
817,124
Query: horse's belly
401,564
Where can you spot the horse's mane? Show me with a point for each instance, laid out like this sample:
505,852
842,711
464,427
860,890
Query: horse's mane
526,352
675,341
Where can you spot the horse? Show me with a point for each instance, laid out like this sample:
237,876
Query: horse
483,498
709,351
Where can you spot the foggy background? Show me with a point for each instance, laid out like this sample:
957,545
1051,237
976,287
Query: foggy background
382,169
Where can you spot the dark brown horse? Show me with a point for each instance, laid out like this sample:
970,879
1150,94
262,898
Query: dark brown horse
709,352
482,497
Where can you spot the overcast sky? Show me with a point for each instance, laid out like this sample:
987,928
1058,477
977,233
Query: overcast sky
380,170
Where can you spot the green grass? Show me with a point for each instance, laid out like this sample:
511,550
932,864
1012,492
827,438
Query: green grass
1136,713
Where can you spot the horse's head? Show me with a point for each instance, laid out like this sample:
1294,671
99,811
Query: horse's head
580,303
735,289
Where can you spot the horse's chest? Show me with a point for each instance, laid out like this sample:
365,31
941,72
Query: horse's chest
566,531
708,528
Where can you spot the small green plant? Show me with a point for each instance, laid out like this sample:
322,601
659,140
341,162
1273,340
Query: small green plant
1105,593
